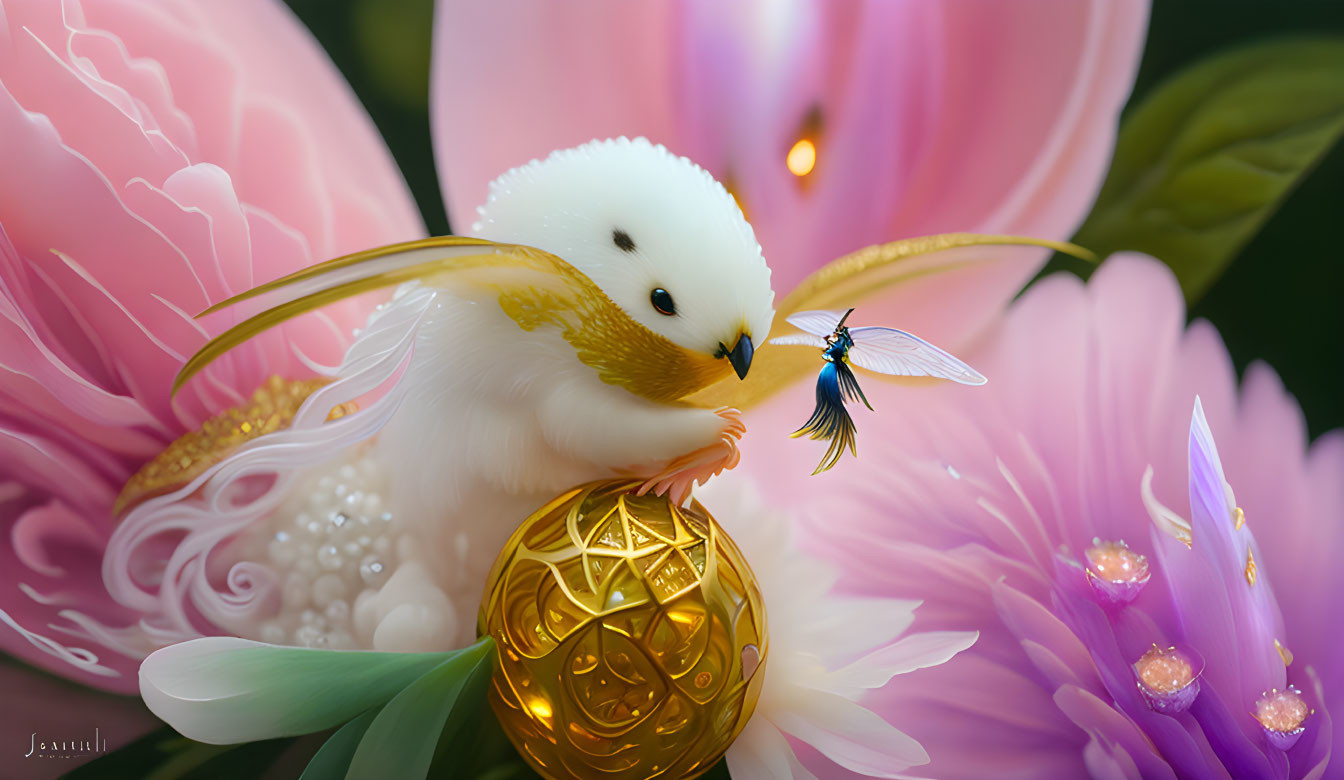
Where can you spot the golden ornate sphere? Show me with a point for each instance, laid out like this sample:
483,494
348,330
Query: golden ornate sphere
631,637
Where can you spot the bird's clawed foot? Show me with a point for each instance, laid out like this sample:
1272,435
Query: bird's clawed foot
677,476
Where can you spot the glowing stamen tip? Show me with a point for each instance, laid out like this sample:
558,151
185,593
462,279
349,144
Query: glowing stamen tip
1281,715
1284,653
1116,572
1168,679
802,157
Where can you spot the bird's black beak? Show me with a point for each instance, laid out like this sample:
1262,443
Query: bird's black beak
740,355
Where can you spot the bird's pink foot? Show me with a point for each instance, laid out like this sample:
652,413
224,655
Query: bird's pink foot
677,476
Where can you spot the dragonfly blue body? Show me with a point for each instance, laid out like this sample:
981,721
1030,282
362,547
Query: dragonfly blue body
838,349
881,350
836,384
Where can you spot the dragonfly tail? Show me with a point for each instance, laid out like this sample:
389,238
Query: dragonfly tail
849,385
830,420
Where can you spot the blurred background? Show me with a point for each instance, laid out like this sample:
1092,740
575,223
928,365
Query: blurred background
1278,301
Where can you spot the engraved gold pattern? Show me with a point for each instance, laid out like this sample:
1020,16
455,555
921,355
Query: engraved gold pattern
1250,568
622,624
271,408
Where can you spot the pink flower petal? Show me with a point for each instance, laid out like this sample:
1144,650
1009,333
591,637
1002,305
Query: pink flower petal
547,61
958,493
761,752
158,157
934,117
1097,717
916,651
851,736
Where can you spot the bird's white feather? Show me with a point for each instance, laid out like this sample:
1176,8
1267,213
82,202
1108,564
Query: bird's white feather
688,236
498,421
490,418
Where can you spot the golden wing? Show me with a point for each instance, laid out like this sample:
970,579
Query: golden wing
844,283
535,289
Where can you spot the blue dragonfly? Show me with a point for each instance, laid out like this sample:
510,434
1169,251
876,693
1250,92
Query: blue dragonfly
882,350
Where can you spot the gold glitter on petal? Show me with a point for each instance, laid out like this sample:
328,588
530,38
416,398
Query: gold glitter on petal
1284,653
1238,518
1250,568
272,408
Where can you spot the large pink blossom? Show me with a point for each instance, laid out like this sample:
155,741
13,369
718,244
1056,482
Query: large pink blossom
156,157
983,501
927,116
162,156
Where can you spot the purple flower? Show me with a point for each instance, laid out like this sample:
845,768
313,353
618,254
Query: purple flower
1087,527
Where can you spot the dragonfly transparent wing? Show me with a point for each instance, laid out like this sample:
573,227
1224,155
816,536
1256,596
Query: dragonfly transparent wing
818,323
895,352
801,339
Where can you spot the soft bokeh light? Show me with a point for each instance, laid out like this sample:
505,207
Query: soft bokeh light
802,157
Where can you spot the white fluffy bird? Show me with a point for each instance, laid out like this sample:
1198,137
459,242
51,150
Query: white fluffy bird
499,418
529,375
497,421
590,328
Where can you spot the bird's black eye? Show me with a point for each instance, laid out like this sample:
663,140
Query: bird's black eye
622,240
662,301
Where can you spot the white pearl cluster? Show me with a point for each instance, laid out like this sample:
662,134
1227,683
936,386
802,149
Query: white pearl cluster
330,543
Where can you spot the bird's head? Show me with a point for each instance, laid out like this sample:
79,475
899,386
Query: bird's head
660,236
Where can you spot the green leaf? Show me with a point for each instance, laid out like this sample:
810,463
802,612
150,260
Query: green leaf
480,753
401,740
224,690
333,760
1206,158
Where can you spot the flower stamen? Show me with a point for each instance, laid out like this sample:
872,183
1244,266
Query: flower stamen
1168,679
1281,715
1116,572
